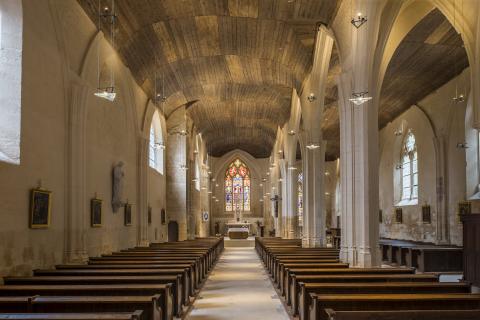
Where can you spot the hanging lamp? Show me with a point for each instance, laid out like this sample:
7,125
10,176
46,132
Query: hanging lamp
358,97
108,92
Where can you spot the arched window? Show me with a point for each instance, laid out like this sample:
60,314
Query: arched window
157,147
409,167
11,41
300,199
237,187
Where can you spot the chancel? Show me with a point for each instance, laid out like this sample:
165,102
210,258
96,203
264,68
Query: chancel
240,159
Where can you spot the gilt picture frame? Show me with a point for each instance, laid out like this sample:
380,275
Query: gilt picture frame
40,208
149,215
128,214
464,208
426,214
398,215
96,213
163,217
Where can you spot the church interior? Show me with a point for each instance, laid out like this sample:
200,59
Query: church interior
240,159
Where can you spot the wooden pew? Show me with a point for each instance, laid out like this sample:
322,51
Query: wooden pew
284,266
136,315
169,301
289,280
276,260
150,305
423,256
131,265
198,271
372,288
293,293
270,258
367,302
404,315
276,265
15,304
121,259
187,282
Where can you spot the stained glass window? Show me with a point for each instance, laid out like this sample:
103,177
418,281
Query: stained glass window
300,199
409,168
237,187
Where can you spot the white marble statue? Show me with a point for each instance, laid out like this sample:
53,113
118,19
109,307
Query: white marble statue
118,176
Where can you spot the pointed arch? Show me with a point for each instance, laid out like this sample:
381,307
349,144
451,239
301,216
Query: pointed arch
156,144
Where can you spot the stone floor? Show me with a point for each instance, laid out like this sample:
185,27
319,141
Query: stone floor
238,288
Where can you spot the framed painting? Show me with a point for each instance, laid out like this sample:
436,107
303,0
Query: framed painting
40,208
96,212
380,216
464,208
128,214
149,215
163,216
398,215
205,216
426,214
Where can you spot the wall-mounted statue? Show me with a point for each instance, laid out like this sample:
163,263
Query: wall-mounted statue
118,175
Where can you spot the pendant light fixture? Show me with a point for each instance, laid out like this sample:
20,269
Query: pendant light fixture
459,95
358,97
157,96
108,14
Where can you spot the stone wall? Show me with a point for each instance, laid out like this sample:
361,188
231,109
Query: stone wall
70,141
438,125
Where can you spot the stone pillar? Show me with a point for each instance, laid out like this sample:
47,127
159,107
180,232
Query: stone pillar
475,76
359,144
312,100
77,199
177,182
359,167
347,248
291,203
313,196
443,224
142,192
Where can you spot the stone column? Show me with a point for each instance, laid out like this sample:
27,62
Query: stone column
142,192
291,204
77,199
359,143
312,101
359,167
177,182
443,224
347,247
475,77
314,196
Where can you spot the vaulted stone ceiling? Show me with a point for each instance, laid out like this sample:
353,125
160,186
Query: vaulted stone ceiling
234,62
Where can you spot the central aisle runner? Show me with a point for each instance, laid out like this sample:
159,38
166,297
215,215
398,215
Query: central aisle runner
238,288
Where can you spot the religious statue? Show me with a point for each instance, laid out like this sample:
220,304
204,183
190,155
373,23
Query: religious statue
118,176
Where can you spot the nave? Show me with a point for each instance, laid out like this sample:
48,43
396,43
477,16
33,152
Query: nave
137,136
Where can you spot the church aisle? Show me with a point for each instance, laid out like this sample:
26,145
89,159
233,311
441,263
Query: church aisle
238,288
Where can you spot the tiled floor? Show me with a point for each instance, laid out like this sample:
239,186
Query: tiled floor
238,288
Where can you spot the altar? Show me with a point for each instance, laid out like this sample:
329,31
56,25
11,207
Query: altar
238,230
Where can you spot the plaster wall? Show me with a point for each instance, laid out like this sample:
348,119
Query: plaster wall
57,39
438,125
42,151
157,232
